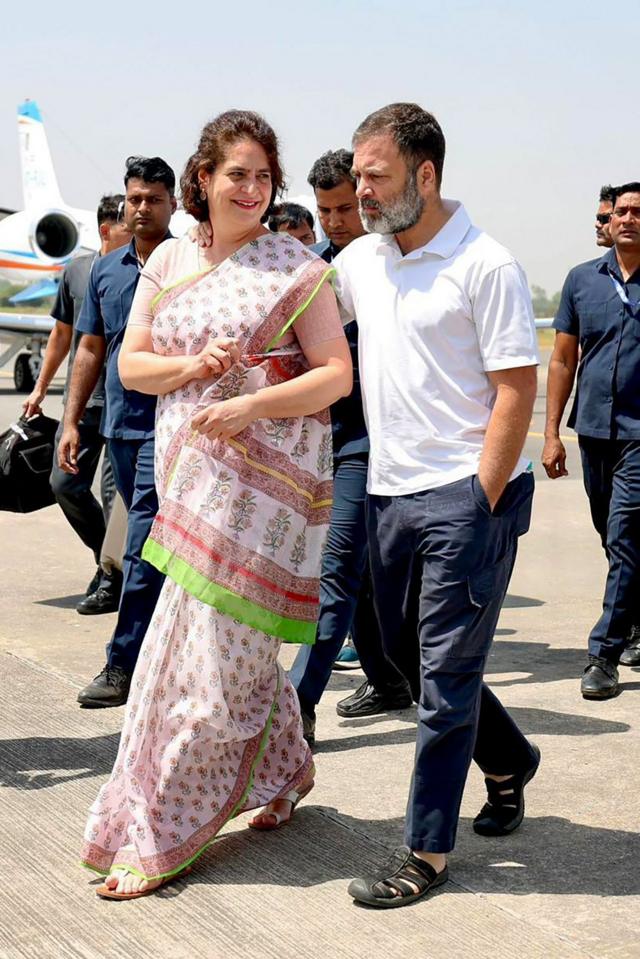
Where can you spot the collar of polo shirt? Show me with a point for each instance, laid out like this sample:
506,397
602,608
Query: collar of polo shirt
443,244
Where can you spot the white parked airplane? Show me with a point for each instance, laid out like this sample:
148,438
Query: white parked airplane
35,246
37,243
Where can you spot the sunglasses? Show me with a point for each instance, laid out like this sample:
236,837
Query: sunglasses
603,218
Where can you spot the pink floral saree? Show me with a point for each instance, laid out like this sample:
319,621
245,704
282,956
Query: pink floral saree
212,723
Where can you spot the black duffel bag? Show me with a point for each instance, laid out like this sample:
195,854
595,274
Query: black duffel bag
27,449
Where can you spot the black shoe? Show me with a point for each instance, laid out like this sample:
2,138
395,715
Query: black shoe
104,600
504,810
600,679
404,880
631,655
308,729
109,688
95,582
367,701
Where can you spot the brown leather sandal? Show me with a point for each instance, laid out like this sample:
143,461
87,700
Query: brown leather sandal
105,893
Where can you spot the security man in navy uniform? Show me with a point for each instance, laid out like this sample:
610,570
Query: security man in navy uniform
598,334
73,491
129,417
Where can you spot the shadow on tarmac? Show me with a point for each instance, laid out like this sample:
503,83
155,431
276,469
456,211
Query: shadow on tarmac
538,662
532,721
62,602
38,762
541,662
520,602
546,855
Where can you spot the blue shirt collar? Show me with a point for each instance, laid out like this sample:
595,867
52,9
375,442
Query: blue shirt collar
129,255
609,264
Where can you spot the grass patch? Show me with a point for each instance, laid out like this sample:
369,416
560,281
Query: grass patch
546,338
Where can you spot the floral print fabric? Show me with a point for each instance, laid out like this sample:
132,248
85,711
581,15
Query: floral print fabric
212,724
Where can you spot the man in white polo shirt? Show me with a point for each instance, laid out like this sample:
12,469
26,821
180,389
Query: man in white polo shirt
448,362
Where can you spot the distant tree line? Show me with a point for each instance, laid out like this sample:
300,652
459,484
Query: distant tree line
544,305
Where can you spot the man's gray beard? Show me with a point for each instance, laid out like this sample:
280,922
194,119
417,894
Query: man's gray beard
398,215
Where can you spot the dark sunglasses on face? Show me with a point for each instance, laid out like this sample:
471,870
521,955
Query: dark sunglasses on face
603,218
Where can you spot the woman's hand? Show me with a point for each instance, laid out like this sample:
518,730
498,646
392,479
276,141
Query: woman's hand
220,421
202,234
216,358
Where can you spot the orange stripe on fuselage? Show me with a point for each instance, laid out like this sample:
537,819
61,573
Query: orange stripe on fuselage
11,264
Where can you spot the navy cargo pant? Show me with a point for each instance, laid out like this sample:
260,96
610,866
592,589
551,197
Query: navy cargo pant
346,601
611,472
463,555
132,462
73,491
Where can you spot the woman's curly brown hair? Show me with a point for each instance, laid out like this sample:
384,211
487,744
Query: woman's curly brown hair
215,139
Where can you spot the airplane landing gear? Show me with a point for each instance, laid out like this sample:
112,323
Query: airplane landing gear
25,372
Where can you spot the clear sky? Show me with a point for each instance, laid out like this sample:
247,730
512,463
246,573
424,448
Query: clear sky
538,100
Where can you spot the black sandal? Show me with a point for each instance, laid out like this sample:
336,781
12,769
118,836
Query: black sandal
504,811
396,884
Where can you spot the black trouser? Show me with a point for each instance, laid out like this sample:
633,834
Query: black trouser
611,472
346,601
132,462
463,555
73,492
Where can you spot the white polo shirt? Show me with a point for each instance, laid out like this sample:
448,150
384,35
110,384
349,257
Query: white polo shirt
431,325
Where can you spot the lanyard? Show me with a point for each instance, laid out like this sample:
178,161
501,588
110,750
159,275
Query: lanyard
622,293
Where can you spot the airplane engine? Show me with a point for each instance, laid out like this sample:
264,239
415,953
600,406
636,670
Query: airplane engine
54,235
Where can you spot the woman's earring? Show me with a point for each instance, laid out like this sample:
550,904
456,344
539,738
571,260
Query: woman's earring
203,193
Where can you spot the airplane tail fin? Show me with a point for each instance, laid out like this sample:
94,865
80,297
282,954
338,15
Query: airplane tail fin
39,181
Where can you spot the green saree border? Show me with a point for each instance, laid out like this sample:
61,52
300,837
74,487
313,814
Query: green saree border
183,279
226,601
327,275
234,812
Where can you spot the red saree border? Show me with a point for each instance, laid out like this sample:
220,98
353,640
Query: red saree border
236,568
312,276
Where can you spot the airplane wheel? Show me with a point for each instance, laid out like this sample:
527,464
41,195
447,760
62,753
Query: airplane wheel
22,376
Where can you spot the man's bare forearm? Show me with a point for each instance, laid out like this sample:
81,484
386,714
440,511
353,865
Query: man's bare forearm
87,366
559,385
507,432
57,349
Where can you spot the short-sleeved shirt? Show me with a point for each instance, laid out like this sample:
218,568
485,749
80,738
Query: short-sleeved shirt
432,325
66,309
607,400
105,311
348,428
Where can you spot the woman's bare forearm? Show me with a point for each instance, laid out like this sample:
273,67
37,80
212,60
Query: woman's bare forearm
154,374
313,391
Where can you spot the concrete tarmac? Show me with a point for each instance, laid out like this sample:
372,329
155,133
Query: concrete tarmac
566,884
